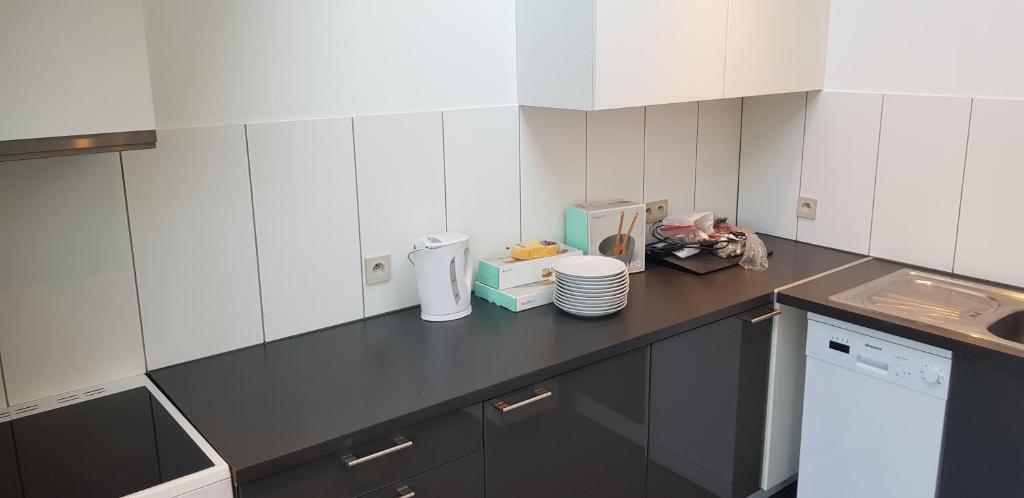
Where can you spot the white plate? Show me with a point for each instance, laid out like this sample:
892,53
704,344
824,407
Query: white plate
611,276
589,314
591,303
591,297
613,287
588,308
589,266
580,281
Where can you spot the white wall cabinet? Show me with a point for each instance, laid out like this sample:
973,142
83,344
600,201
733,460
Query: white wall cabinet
604,54
73,68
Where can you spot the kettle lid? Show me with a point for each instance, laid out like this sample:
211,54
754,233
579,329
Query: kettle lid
438,240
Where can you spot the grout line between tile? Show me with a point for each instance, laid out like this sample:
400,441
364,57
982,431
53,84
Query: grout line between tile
359,218
519,162
739,165
963,181
586,156
135,271
696,158
800,179
3,379
643,161
874,187
255,235
444,171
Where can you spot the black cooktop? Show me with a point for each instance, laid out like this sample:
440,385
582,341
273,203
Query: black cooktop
105,447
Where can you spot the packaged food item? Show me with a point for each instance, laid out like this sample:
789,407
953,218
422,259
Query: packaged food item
518,298
533,249
614,229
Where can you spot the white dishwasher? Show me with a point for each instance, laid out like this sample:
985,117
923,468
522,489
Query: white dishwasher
874,406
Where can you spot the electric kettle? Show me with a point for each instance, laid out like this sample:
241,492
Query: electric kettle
443,275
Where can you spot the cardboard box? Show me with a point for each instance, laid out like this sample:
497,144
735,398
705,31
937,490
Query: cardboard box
519,298
505,272
593,227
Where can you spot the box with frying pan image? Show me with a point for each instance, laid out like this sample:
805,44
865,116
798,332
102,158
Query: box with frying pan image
613,228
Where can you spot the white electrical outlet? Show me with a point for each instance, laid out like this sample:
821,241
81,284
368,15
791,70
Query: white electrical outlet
657,210
807,207
377,269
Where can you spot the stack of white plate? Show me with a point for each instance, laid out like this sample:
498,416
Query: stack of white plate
590,285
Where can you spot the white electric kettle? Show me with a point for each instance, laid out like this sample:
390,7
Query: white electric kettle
443,275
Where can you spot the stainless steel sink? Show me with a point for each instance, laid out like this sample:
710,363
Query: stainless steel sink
978,310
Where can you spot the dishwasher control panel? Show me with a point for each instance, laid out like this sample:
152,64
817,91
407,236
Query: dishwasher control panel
883,356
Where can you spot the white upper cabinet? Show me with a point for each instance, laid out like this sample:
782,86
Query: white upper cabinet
73,68
603,54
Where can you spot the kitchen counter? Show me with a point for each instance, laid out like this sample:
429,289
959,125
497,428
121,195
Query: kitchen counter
275,405
814,295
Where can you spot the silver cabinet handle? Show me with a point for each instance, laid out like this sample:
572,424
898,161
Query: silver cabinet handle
405,492
766,316
401,443
541,394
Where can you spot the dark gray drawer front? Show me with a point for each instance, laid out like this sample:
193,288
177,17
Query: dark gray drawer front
463,478
434,443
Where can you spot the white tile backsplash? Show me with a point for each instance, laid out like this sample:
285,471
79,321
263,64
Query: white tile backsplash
615,154
989,239
68,313
840,154
307,224
718,156
770,160
553,159
191,219
400,177
670,157
920,171
481,162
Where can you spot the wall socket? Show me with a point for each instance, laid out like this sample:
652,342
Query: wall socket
377,269
807,207
657,210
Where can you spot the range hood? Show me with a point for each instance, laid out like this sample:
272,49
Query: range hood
34,148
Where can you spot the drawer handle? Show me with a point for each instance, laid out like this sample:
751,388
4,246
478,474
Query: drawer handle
401,443
541,394
405,492
766,316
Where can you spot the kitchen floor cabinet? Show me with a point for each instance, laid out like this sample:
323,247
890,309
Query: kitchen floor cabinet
708,395
983,444
580,434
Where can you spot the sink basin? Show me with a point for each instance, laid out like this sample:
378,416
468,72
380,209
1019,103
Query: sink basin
978,310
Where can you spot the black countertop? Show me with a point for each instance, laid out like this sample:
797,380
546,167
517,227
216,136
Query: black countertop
814,295
271,406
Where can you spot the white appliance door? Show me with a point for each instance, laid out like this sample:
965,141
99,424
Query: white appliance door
864,437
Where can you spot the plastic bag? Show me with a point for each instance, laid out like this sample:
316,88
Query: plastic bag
756,255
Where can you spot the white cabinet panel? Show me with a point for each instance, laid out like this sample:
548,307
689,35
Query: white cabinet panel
718,156
781,457
481,162
68,313
775,47
670,157
615,154
773,137
920,171
307,224
195,254
72,68
555,53
840,155
658,51
989,213
553,148
400,172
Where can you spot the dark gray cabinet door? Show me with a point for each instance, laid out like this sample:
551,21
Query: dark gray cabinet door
983,444
708,395
463,478
580,434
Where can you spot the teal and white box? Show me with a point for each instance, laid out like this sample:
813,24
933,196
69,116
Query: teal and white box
593,228
518,298
505,272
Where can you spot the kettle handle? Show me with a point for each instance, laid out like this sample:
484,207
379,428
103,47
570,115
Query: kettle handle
468,272
414,251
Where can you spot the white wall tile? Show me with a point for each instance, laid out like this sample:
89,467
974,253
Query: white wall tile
670,157
68,313
481,162
920,171
773,139
400,172
195,254
615,154
840,154
989,238
718,156
307,224
553,148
